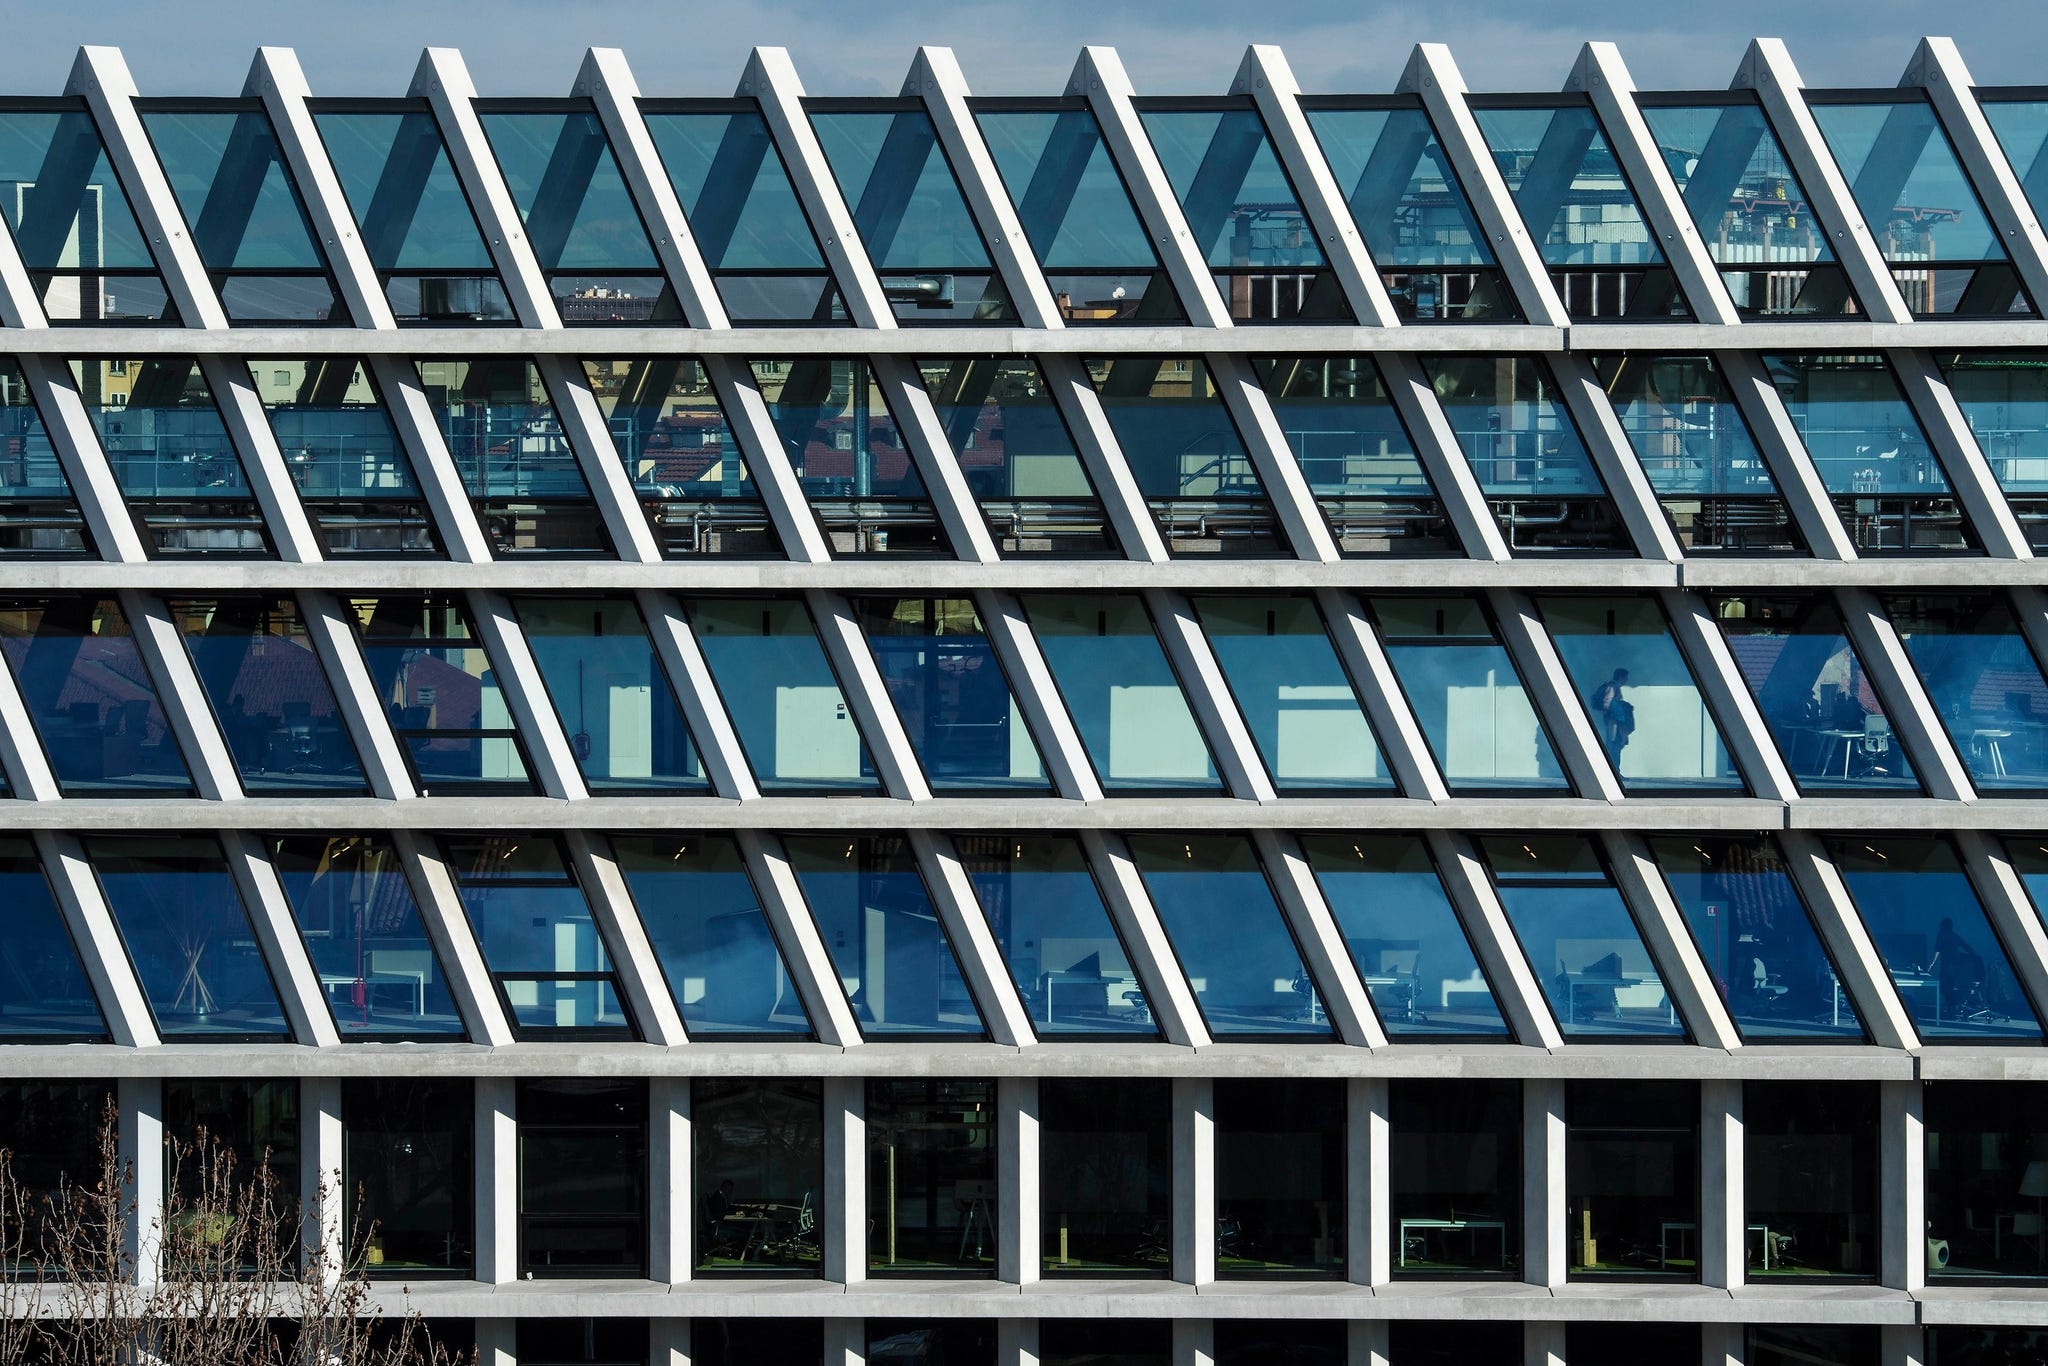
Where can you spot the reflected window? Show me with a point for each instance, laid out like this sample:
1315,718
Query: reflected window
932,1200
606,681
44,993
1454,1342
1813,1344
943,676
909,212
1229,934
680,454
1938,945
1465,692
746,1342
346,461
361,924
1120,690
1987,1176
1018,456
582,1342
251,1124
1105,1157
1455,1178
1280,1176
1056,935
714,943
582,1199
1809,682
759,1150
1404,935
550,964
967,1342
1588,1342
1299,1342
1639,694
782,695
1810,1181
1757,937
52,1132
892,953
1984,682
188,936
1580,939
521,472
39,515
1242,210
87,258
1632,1179
408,1156
2004,399
439,689
1108,1342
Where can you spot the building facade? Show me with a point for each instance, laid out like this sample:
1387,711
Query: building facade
1225,729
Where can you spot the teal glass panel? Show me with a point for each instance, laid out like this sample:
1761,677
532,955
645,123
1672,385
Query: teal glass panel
552,969
346,461
71,221
47,995
892,954
231,180
906,204
2004,398
1984,682
38,514
1908,184
1400,187
735,191
1076,212
516,461
570,195
439,689
1740,190
406,198
2021,127
1568,186
1238,201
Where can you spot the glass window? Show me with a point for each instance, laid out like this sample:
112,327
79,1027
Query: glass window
355,909
1591,1343
1809,1158
1951,1345
1355,453
1293,692
680,454
581,1342
2021,127
1279,1178
252,1124
748,1342
517,463
1121,691
582,1182
1242,210
1056,936
1455,1178
1632,1179
1453,1342
932,1196
711,936
759,1149
270,695
1757,937
1467,696
551,966
1639,694
346,461
1813,691
1404,935
615,702
188,936
2004,399
1105,1154
43,988
1987,1179
1937,943
1106,1342
440,692
948,687
1697,452
38,514
1299,1342
1983,680
782,696
892,954
86,256
1525,451
1580,939
1232,941
1018,457
52,1132
408,1164
909,211
955,1342
90,695
1810,1344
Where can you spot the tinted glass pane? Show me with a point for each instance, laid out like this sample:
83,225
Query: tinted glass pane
1399,184
892,954
539,941
409,1148
1105,1342
1073,205
614,700
439,689
905,202
782,695
1806,1344
45,993
1293,693
404,194
942,674
1300,1342
1229,935
1983,680
1857,426
1404,935
2021,127
345,458
931,1192
1453,1342
583,1342
1237,199
1455,1178
188,936
1055,934
743,1342
270,694
64,204
1738,187
38,515
377,965
1809,1154
760,1164
582,1207
229,175
2004,398
1121,692
515,460
1589,1343
1105,1175
253,1124
52,1131
571,197
1639,693
1985,1181
1815,696
1568,186
90,696
735,191
1900,166
1938,945
706,924
1466,695
1632,1179
1753,929
1279,1178
1580,939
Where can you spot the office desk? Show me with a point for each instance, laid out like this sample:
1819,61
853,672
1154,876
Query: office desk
1469,1227
415,981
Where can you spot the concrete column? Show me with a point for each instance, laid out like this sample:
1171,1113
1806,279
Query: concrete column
846,1342
1194,1183
454,939
1544,1256
130,1022
141,1143
497,1183
1167,992
668,1342
1723,1196
646,988
186,711
1902,1176
1720,1344
1902,1344
297,981
1368,1195
1016,1342
1019,1237
1346,1002
497,1342
1194,1342
672,1179
1367,1343
324,1202
1543,1343
803,948
845,1213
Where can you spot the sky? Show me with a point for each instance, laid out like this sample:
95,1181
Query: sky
1007,47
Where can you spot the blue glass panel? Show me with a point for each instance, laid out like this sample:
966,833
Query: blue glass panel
715,946
439,689
735,192
943,676
837,428
188,935
1404,935
406,198
1858,428
71,220
1293,693
1176,435
571,197
892,954
1983,680
356,912
38,515
345,457
905,202
1814,693
1579,938
536,933
1229,935
2021,127
1122,693
614,700
1062,949
46,994
2004,398
230,177
515,460
1741,192
1909,187
1568,186
1757,938
1938,945
1466,695
91,697
270,695
1239,204
1076,212
1398,181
